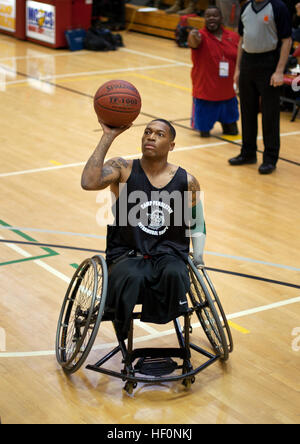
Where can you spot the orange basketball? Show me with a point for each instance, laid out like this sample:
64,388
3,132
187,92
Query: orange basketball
117,103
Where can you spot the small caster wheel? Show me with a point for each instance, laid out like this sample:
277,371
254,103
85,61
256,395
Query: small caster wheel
129,387
188,382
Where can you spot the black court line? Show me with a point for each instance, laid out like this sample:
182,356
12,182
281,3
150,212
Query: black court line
233,273
75,91
39,244
258,278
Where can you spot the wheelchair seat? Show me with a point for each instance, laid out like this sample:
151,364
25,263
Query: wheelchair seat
83,310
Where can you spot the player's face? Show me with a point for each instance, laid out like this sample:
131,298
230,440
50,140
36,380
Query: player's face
213,19
156,140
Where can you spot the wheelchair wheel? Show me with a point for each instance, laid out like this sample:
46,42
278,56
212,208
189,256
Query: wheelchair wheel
81,313
208,310
219,309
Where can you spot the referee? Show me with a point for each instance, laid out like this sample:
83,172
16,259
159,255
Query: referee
265,29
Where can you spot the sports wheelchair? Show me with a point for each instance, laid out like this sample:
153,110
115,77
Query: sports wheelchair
83,310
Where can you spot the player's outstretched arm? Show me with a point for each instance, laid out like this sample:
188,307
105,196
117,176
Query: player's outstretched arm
96,174
194,39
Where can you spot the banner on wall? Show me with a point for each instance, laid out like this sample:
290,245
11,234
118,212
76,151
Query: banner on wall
8,15
40,21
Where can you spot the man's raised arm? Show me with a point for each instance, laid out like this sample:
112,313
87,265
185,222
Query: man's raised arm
96,174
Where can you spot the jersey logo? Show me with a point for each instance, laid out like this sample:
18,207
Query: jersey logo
157,216
156,219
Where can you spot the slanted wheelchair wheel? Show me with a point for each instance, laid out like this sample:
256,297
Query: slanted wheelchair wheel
209,311
81,313
210,287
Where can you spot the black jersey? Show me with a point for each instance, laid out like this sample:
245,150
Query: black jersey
150,220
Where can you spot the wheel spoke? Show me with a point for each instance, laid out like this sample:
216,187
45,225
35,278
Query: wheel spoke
80,314
208,308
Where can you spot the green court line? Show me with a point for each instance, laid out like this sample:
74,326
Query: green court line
26,259
49,251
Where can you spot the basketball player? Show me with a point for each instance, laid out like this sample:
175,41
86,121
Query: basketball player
148,244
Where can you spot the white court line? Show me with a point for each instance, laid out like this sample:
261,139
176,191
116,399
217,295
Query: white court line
130,156
157,334
108,71
171,63
72,165
156,57
254,261
153,333
25,354
42,56
38,170
78,53
38,262
86,73
58,274
263,308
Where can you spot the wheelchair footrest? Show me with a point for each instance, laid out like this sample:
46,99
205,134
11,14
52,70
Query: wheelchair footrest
181,353
155,366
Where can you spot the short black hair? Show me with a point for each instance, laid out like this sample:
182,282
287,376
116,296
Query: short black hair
214,7
171,127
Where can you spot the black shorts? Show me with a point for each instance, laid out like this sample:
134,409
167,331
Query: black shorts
159,283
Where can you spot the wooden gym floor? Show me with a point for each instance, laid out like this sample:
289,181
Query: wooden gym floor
49,130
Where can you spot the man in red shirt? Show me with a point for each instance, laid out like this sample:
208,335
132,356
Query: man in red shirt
214,53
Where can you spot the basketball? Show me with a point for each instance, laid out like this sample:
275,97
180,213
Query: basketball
117,103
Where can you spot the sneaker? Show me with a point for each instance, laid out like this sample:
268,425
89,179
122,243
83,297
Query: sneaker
242,160
266,168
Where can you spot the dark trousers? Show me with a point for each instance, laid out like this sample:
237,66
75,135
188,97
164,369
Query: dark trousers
159,284
254,82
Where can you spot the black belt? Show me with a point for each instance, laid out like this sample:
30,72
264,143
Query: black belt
145,256
131,253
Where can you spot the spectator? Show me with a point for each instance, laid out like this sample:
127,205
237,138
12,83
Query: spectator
214,52
114,10
178,7
296,23
230,11
265,29
294,10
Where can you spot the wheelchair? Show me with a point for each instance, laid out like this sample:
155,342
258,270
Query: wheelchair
83,310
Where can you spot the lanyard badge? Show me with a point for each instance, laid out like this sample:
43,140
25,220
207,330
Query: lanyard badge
223,68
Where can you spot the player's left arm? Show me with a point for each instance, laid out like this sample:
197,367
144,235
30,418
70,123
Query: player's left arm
197,222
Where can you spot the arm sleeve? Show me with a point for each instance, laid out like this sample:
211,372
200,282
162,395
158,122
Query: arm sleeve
198,233
283,20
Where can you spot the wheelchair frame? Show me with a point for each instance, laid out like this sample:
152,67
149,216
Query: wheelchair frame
83,311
